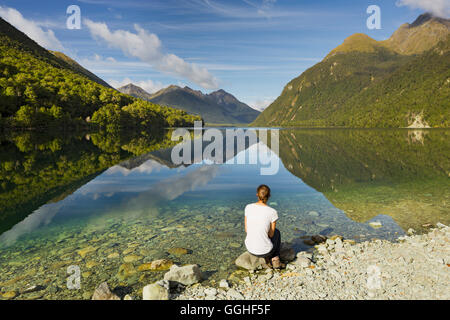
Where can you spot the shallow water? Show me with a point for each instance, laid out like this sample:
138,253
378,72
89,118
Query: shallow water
124,203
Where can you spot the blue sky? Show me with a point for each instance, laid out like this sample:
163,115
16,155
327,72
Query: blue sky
250,48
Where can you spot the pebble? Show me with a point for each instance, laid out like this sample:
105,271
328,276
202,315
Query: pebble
131,258
406,270
314,214
224,284
375,224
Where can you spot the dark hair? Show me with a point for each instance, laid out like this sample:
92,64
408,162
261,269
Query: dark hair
263,193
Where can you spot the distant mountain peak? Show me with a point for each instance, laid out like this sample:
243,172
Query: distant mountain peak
421,35
358,42
424,18
131,86
216,107
135,91
369,83
220,91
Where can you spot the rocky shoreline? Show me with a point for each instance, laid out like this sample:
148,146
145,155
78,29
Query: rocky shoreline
415,267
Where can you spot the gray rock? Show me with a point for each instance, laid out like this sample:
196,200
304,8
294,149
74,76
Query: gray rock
224,284
314,214
250,262
186,275
233,294
210,291
155,291
440,225
302,262
322,249
104,293
33,289
305,254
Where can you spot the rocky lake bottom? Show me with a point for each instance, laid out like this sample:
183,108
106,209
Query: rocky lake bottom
124,218
117,248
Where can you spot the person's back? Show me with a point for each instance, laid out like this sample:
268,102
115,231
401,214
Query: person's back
259,218
263,239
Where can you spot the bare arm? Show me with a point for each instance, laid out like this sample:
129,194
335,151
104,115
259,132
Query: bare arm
273,225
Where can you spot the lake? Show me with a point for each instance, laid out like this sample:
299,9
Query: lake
109,202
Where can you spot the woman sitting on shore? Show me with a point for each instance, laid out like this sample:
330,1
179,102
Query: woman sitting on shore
263,239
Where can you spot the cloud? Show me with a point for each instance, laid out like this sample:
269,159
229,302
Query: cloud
32,29
261,104
42,216
147,167
148,85
263,8
171,188
266,7
440,8
148,48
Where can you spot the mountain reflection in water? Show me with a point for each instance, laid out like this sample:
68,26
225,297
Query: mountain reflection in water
102,199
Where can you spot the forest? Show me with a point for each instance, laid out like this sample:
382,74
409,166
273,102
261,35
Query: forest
39,90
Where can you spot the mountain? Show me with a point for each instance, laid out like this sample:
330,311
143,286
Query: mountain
420,36
400,173
40,89
69,160
216,107
135,91
399,82
75,66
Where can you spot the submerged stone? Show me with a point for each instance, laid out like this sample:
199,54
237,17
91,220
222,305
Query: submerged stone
157,265
178,251
375,224
9,294
126,270
113,255
131,258
83,252
102,292
287,253
91,263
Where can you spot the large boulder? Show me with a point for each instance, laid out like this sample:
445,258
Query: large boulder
250,262
156,291
104,293
186,275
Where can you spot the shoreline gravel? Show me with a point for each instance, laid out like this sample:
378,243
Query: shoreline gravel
415,267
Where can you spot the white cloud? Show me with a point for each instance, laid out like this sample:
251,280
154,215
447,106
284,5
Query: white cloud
147,167
148,85
42,216
173,187
148,48
440,8
32,29
261,104
266,7
109,65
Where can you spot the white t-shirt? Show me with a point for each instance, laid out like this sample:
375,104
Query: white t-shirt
259,218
